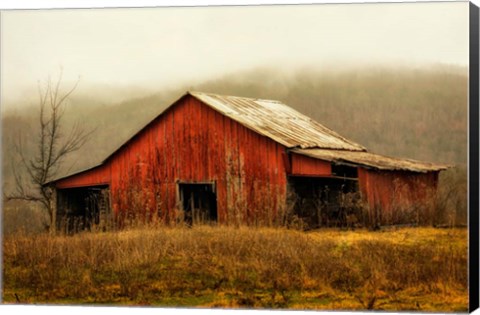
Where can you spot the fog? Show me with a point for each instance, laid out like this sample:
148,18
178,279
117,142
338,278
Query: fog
137,51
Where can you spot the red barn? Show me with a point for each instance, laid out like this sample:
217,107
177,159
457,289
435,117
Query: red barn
232,159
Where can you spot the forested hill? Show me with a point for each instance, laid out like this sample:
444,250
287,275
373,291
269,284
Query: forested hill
419,113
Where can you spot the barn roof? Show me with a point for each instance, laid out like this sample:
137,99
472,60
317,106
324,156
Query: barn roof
371,160
278,122
297,132
270,118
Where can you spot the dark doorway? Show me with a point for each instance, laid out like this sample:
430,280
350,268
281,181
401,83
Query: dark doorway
324,201
84,208
199,202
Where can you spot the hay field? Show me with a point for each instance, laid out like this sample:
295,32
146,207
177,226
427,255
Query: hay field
396,269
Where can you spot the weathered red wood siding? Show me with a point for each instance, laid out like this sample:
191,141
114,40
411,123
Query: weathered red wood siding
306,166
97,176
394,196
191,142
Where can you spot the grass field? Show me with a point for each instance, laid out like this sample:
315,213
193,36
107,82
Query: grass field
397,269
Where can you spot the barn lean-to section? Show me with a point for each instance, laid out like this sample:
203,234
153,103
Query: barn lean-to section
393,190
232,160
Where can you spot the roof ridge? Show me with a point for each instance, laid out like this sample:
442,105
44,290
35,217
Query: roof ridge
235,96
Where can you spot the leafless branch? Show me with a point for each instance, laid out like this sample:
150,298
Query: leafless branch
53,145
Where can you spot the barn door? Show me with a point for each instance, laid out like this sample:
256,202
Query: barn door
97,208
199,202
325,201
84,208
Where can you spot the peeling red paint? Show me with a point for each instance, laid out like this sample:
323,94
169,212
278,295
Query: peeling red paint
305,166
191,142
395,191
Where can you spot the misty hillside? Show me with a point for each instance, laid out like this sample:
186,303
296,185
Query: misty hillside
414,113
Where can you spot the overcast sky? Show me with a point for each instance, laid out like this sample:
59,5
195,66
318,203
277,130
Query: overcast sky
160,47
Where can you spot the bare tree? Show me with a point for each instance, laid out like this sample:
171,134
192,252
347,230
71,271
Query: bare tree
52,145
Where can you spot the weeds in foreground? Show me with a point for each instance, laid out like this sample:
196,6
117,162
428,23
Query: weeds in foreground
406,269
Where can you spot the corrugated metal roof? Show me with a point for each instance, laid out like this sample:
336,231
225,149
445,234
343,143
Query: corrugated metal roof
371,160
277,121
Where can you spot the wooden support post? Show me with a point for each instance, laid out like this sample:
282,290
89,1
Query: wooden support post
53,209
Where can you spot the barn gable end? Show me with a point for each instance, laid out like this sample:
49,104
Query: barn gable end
192,143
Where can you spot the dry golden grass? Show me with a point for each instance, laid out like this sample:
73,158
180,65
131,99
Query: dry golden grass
405,269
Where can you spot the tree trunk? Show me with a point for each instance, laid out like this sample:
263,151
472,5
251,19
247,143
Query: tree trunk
53,211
